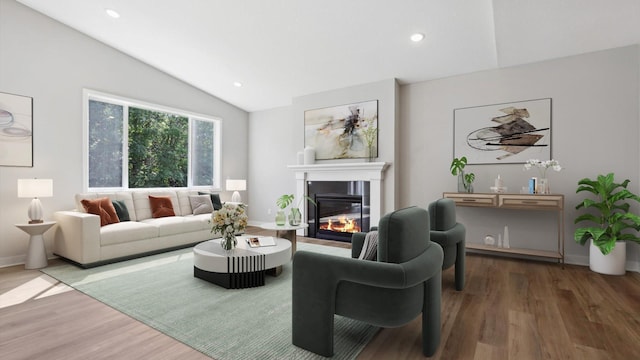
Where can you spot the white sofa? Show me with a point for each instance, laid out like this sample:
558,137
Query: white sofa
80,239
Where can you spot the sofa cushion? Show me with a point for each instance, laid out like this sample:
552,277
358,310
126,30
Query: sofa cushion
103,208
121,210
174,225
201,204
125,232
161,206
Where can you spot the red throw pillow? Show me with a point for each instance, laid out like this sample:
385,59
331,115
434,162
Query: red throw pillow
103,208
161,206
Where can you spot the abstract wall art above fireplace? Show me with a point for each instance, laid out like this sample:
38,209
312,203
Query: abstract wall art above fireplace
343,132
503,133
16,123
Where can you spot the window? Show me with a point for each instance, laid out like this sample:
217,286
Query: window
131,144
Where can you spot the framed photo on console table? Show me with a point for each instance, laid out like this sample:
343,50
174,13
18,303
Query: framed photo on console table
16,123
508,133
343,132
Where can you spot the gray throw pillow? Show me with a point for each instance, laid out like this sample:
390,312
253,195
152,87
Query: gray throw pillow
215,200
201,204
369,247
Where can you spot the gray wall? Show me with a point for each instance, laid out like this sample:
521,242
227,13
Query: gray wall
595,102
595,127
277,135
52,63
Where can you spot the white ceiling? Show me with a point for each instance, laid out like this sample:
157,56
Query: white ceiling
281,49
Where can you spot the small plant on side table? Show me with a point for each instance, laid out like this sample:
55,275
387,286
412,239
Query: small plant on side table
295,217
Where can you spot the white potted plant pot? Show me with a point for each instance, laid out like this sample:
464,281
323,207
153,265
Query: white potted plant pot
610,264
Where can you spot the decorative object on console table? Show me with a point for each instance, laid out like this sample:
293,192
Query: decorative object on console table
465,181
35,188
340,132
230,220
608,238
541,185
16,124
235,186
523,130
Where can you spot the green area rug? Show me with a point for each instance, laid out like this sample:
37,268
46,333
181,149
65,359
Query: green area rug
162,292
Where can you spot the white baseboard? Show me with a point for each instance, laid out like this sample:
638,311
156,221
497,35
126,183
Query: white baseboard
13,260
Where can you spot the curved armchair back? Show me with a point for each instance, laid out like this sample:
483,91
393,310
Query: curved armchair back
403,235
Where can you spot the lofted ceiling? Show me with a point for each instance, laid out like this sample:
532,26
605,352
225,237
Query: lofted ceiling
281,49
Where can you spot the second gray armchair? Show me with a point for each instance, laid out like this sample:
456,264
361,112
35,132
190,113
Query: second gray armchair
450,234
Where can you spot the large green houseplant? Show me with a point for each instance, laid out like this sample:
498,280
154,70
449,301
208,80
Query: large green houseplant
611,215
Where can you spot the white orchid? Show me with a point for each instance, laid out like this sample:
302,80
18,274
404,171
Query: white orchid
543,166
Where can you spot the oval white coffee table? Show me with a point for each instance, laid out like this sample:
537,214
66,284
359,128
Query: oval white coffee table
241,267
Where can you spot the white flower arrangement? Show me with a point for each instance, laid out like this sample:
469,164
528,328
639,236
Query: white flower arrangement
229,220
543,166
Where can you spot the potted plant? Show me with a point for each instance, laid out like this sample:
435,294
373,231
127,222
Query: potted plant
465,181
611,216
295,217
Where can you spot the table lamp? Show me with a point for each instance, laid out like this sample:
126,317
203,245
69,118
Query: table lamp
235,186
35,188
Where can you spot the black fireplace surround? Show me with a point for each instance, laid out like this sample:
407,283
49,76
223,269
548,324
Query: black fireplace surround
342,207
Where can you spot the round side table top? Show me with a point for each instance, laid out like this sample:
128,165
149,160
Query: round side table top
37,228
286,226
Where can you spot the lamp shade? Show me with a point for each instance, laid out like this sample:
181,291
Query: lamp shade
236,185
35,188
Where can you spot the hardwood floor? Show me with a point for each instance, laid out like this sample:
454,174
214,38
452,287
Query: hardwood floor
509,309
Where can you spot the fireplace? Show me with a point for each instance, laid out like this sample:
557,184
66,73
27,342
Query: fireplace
364,178
338,216
342,208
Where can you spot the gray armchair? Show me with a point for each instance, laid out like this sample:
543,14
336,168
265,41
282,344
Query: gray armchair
450,234
404,282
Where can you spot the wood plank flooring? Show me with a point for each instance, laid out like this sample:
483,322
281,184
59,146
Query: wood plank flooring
509,309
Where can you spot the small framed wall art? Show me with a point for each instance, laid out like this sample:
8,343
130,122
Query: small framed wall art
503,133
343,132
16,136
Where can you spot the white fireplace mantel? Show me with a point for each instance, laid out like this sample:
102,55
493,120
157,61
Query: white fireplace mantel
373,172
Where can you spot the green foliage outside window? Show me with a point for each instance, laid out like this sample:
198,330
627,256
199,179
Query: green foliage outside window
158,149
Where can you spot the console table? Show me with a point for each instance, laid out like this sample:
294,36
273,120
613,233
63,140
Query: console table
552,202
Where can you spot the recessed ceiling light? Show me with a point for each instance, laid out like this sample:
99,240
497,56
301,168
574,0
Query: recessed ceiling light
417,37
114,14
237,84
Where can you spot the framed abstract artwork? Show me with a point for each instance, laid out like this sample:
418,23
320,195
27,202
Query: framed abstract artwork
503,133
16,136
343,132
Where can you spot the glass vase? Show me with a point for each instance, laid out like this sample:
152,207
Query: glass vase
543,186
295,217
461,187
228,241
281,218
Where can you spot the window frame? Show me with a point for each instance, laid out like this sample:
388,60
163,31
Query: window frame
125,102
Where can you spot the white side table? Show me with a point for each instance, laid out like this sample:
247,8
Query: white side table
37,254
286,231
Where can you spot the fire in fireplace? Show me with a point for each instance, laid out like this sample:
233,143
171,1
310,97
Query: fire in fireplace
338,216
